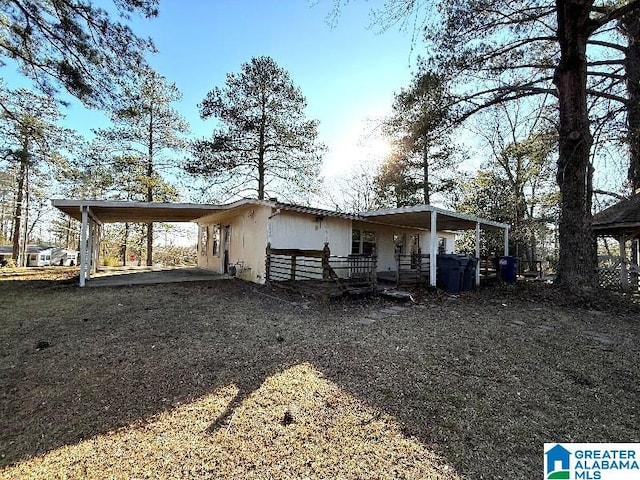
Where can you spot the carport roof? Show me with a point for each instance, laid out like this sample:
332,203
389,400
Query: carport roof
419,216
106,211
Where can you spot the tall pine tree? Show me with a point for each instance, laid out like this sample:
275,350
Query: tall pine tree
263,141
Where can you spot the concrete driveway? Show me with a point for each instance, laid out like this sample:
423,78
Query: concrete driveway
115,276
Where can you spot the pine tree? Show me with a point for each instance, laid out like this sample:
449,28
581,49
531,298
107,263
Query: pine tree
264,142
146,128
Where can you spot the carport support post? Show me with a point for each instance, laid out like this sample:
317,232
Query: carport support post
90,248
95,247
83,244
478,253
433,248
506,242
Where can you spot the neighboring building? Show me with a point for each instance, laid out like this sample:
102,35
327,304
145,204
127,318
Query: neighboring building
42,256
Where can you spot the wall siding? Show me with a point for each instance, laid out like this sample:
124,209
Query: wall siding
248,242
290,229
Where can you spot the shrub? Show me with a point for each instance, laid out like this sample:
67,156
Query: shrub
111,261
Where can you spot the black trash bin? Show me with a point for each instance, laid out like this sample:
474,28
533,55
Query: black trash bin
464,261
509,268
469,275
450,273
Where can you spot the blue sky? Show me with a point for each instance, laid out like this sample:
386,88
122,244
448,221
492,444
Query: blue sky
348,72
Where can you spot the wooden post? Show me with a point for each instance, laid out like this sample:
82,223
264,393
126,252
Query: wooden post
374,270
326,253
398,270
293,268
267,264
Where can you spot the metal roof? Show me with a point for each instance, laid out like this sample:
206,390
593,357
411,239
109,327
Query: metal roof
107,211
8,249
419,216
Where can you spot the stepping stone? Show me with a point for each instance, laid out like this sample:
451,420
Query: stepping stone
365,321
397,308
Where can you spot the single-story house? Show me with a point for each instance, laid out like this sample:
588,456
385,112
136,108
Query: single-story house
234,238
43,255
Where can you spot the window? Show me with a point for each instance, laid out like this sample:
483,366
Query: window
363,242
398,243
204,238
355,242
216,240
414,244
368,243
442,245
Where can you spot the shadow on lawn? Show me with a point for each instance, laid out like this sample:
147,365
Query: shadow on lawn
460,376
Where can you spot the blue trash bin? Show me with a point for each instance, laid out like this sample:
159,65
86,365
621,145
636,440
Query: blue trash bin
450,273
509,268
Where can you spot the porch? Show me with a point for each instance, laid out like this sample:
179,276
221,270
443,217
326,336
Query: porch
320,272
417,267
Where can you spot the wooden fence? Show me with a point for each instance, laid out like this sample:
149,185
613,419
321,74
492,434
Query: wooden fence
349,274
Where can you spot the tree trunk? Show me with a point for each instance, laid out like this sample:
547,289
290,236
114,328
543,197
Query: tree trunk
150,186
17,216
149,244
123,248
577,264
261,156
67,236
631,28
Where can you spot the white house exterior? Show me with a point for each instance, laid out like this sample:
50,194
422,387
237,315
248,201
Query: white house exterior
235,240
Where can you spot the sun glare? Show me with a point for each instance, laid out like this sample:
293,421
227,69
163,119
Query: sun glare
359,145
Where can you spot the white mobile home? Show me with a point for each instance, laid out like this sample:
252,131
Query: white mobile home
234,240
43,255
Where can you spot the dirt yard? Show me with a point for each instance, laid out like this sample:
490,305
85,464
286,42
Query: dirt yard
233,380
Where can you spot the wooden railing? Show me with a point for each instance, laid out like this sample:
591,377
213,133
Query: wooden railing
349,273
412,269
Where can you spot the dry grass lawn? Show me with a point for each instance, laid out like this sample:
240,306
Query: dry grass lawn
231,380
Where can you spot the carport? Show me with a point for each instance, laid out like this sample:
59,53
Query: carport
92,214
436,219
